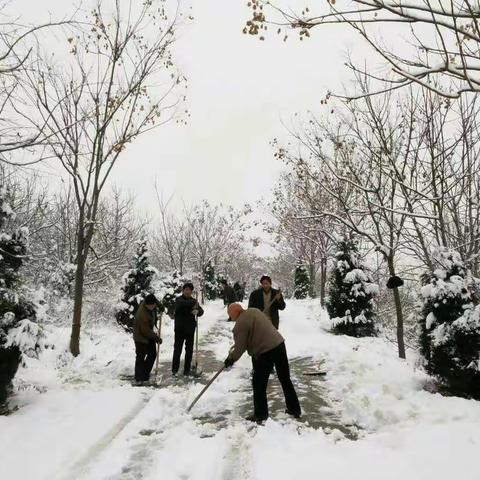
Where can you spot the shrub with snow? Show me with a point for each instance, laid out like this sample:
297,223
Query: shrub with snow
19,333
169,287
449,318
302,282
62,278
210,282
352,292
137,284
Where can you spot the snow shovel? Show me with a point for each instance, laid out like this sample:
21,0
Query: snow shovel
158,345
195,370
205,388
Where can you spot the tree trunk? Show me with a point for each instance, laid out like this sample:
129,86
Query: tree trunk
323,281
77,306
398,308
312,274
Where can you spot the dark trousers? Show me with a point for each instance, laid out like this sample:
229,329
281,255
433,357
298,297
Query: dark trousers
146,353
262,367
180,339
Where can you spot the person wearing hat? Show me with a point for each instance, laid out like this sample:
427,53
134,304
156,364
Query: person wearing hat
186,309
267,300
145,338
255,333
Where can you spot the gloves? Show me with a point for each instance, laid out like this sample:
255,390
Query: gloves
228,362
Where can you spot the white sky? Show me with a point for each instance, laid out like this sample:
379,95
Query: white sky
240,90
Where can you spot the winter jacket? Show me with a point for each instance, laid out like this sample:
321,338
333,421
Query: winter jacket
229,295
237,288
256,301
254,333
184,318
143,324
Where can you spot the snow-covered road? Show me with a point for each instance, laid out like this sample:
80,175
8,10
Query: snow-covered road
368,418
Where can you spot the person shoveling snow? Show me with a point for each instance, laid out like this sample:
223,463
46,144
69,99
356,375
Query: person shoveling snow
145,339
255,333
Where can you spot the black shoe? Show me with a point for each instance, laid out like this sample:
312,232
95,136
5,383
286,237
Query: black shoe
258,421
139,383
293,414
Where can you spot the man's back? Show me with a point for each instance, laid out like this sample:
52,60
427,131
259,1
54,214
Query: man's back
254,333
143,324
184,317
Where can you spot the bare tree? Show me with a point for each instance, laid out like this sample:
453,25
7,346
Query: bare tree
345,158
119,227
439,178
402,172
17,54
171,238
119,85
445,37
306,239
217,232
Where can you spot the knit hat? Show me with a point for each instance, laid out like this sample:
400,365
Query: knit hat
234,310
150,299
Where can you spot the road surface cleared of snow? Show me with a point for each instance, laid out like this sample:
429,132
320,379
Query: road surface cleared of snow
369,418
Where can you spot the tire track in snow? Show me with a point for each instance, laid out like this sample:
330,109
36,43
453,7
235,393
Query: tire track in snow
81,467
84,467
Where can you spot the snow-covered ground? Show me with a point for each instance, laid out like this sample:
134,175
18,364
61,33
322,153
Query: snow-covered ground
84,420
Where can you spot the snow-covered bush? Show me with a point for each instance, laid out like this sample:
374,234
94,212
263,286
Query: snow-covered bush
302,282
62,278
449,318
169,287
137,284
210,282
18,332
351,293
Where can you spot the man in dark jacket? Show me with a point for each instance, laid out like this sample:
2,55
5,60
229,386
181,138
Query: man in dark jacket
237,288
267,300
145,338
228,295
186,309
254,333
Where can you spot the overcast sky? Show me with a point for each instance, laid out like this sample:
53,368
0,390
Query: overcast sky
240,91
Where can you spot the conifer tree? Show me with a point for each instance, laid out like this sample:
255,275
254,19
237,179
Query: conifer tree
302,282
449,319
352,292
18,332
170,286
137,284
210,282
